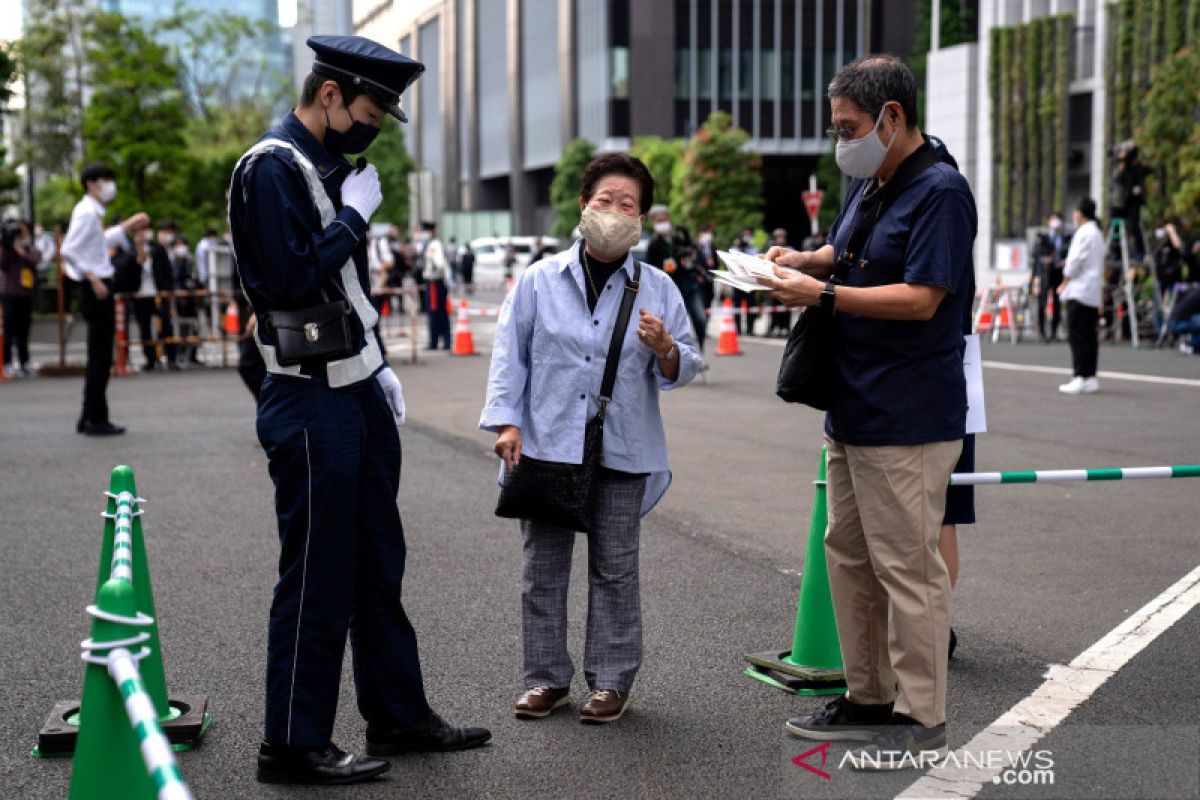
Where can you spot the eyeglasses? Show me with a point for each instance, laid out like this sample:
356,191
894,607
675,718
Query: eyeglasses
847,134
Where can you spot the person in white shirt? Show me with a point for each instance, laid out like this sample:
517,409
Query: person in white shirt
85,258
1083,274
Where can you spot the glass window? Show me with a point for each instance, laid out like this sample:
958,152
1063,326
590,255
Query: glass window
745,74
704,73
619,73
726,74
788,76
683,83
767,79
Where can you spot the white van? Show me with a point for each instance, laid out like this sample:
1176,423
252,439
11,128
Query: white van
489,255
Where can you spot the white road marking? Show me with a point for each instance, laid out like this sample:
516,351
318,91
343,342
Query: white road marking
1066,687
1115,376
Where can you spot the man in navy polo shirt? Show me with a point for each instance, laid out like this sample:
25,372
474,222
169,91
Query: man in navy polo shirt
896,422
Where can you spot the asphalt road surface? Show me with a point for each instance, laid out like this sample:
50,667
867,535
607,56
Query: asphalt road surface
1047,572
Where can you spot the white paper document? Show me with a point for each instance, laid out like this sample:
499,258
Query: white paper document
741,271
973,371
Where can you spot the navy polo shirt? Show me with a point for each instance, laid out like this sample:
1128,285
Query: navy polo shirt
901,382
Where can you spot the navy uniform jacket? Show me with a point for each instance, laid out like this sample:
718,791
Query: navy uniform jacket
284,254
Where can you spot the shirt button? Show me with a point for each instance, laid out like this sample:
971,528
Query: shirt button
581,397
587,358
595,322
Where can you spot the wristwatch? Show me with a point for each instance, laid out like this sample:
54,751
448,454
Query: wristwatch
828,299
667,356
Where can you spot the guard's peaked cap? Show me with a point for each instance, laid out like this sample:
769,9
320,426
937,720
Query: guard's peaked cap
382,72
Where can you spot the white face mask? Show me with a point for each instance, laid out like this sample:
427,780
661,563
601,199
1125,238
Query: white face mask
862,158
662,227
705,238
609,233
1160,233
1055,225
108,191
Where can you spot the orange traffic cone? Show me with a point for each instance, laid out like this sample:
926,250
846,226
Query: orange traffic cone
464,343
1005,319
232,327
727,342
984,323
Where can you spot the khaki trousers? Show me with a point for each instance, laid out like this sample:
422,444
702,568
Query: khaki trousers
890,587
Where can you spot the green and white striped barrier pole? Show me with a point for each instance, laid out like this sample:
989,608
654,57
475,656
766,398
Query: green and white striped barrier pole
121,567
1058,475
156,751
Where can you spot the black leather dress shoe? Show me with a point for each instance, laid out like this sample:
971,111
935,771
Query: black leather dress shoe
432,735
322,767
101,429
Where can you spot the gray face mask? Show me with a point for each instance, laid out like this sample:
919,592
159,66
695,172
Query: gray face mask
862,158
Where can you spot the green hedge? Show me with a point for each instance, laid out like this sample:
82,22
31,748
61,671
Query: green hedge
1028,79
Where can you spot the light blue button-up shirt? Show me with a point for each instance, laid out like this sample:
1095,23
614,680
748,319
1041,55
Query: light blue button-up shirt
548,364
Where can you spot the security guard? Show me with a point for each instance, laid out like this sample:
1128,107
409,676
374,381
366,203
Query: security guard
328,420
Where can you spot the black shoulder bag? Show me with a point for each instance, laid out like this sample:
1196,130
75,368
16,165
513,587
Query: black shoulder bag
556,493
807,372
317,333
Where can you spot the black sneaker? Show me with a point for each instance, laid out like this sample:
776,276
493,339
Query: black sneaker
904,744
953,644
842,721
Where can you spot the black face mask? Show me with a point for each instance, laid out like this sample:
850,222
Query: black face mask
358,138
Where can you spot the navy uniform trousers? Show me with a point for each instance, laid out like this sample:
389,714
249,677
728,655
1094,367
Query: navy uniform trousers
335,461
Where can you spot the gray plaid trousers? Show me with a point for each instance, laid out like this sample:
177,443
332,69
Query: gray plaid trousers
613,650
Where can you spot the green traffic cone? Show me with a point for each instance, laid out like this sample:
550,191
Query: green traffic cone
151,667
813,665
108,760
815,639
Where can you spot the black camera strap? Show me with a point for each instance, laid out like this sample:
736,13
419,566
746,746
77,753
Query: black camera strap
873,203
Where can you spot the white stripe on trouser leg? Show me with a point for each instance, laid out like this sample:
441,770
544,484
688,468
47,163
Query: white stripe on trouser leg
303,581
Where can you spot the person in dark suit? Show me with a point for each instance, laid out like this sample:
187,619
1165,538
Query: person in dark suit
1049,255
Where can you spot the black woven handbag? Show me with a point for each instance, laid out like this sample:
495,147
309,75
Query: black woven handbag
557,493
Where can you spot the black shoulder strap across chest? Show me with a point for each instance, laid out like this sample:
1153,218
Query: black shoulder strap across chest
874,202
618,337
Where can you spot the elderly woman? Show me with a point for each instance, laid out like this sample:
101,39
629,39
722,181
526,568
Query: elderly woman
551,345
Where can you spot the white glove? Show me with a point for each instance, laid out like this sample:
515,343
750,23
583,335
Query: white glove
361,192
393,392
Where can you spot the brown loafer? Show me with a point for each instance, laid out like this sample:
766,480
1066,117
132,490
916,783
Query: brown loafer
540,701
604,705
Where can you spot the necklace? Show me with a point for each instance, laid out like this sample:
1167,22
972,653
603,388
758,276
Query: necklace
588,273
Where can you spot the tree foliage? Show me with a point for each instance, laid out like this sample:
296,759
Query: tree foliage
222,59
660,157
718,182
958,26
53,65
564,189
392,160
1168,134
136,114
9,181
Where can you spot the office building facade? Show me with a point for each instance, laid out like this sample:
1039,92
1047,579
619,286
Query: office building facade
511,82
